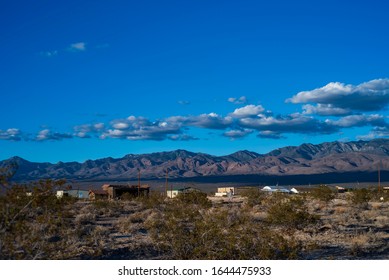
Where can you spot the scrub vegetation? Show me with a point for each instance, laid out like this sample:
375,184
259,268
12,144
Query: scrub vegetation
35,224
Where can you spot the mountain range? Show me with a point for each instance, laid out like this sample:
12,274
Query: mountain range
306,159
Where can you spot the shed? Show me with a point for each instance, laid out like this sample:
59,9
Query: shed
98,194
178,190
116,191
224,191
81,194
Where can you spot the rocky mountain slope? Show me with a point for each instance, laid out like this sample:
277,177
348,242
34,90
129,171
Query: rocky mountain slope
306,159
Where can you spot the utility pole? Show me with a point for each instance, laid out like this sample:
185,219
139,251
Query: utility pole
379,178
166,184
138,182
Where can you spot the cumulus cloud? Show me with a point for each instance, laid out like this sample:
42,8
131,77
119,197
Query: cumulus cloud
12,134
247,111
239,100
368,96
237,133
358,121
85,130
324,110
377,132
182,137
77,47
47,134
268,134
294,123
210,121
344,104
140,128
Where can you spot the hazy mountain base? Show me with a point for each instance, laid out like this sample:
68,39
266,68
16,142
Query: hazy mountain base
255,226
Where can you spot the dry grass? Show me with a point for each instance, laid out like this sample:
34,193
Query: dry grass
236,228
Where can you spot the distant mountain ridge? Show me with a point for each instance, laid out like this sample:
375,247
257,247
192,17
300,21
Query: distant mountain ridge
306,159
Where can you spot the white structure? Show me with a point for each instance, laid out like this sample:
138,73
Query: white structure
293,190
173,193
176,191
275,189
82,194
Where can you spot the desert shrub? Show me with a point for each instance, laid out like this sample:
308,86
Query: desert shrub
323,193
31,226
85,218
107,208
219,234
291,213
197,198
127,196
101,204
378,195
360,197
153,200
253,197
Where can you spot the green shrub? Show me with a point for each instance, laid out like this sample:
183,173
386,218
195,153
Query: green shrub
253,197
31,226
153,200
218,234
361,197
323,193
291,213
197,198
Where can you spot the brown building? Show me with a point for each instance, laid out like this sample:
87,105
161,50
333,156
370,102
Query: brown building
116,191
98,194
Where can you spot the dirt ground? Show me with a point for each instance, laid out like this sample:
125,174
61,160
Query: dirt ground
344,231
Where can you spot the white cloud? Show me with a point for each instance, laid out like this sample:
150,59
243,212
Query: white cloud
240,100
47,134
324,110
237,133
358,121
12,134
377,132
294,123
270,134
78,47
248,111
85,130
369,96
120,125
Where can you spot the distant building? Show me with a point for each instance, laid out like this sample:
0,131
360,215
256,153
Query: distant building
180,190
225,191
98,194
275,189
81,194
116,191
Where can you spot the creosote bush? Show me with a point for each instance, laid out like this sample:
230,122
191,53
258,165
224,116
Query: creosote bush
32,220
254,197
361,197
189,229
152,200
194,198
323,193
291,213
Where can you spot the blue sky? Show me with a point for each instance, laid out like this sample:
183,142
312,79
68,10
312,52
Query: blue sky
91,79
